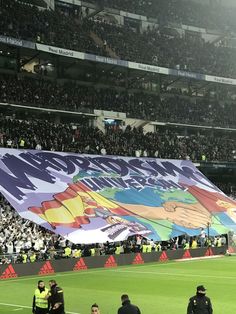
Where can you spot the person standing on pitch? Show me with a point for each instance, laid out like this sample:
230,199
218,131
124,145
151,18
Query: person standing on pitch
56,299
200,304
127,307
40,302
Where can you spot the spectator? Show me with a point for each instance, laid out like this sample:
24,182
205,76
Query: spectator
140,105
67,29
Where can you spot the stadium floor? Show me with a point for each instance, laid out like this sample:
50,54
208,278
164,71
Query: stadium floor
155,288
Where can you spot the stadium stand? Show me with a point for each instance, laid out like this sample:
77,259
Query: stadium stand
186,12
72,27
41,134
141,105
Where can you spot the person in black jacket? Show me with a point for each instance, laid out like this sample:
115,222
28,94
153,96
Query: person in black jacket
56,299
127,307
200,304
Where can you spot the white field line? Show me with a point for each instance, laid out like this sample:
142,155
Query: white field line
175,274
131,269
26,307
198,258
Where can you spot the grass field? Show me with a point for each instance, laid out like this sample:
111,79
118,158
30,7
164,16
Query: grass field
155,288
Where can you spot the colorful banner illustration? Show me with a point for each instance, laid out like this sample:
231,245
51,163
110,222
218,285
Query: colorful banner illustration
94,199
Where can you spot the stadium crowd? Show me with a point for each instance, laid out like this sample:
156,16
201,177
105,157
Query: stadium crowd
141,105
58,28
156,46
69,28
123,141
22,241
210,16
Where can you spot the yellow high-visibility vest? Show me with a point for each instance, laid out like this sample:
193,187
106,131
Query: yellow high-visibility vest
32,258
92,251
22,143
144,248
186,247
77,253
24,257
149,248
67,251
40,298
117,251
194,244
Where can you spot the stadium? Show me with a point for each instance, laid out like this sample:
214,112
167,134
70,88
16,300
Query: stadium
117,156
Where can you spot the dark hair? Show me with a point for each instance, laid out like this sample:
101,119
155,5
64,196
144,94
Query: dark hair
53,281
40,281
124,297
95,305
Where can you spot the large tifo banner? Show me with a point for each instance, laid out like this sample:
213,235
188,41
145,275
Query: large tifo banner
88,198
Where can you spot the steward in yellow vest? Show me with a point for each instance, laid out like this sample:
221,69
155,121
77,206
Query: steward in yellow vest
67,252
186,246
194,244
144,248
149,248
24,257
158,247
77,253
22,143
32,258
92,250
40,302
118,249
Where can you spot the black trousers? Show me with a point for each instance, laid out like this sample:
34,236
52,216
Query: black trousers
60,310
38,310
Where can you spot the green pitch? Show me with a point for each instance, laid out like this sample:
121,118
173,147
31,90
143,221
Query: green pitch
155,288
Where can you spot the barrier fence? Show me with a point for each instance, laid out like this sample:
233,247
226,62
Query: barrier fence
51,267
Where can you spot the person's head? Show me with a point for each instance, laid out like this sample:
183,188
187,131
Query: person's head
41,284
124,298
52,283
201,290
95,309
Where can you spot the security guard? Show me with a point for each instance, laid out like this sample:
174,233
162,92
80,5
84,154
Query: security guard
67,252
32,257
56,299
144,248
40,302
24,257
200,304
118,249
92,251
